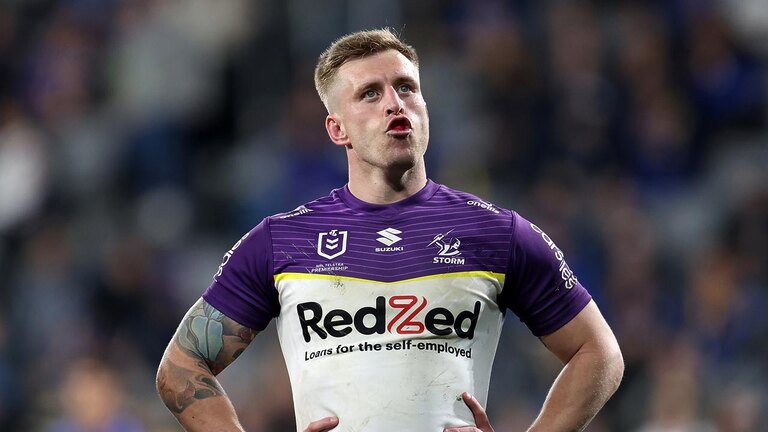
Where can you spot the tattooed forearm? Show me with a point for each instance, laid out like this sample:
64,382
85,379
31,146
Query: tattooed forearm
207,333
179,387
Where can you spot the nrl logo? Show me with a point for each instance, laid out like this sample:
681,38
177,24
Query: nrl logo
332,244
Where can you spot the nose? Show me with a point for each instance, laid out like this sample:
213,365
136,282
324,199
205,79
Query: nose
394,104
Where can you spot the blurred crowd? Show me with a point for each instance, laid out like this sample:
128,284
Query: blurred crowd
140,138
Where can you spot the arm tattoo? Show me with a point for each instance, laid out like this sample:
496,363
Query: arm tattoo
196,386
211,341
210,335
202,332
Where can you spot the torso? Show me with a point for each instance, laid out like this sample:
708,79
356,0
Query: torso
388,314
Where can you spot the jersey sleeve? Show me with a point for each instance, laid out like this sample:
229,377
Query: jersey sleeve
541,289
243,288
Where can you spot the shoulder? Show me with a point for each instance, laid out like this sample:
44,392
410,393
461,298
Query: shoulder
254,248
473,204
261,233
322,206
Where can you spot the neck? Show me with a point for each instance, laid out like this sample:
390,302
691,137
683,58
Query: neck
386,187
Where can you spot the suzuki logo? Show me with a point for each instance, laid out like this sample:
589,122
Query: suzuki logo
332,244
389,236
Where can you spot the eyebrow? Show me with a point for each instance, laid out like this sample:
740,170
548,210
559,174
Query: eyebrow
399,79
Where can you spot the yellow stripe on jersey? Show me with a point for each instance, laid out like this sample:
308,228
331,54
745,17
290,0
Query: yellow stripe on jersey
467,274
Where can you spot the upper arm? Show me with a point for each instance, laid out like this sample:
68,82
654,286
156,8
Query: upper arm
206,334
243,288
540,287
209,337
586,332
205,343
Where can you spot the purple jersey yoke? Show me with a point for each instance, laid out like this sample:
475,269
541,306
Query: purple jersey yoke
437,231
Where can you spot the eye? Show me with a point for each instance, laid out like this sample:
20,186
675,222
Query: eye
369,94
405,88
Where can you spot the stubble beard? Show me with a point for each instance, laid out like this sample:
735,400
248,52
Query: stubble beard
404,154
394,157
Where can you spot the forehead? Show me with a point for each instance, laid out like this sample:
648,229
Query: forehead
385,66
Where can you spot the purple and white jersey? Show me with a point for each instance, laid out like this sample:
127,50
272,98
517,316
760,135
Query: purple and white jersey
387,313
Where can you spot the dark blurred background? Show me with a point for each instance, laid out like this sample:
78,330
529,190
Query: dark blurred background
139,139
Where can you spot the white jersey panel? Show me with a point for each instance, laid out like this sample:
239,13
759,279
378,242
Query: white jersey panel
388,356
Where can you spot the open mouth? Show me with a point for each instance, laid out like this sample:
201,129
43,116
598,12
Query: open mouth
399,127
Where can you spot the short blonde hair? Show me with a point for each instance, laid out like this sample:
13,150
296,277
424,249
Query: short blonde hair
354,46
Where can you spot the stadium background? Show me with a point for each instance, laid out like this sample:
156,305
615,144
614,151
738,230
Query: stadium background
140,138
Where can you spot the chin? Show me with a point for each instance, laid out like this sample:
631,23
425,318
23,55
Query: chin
403,164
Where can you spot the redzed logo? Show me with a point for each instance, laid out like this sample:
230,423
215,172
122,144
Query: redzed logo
406,303
339,322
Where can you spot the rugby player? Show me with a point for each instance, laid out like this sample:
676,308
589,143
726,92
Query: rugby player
389,294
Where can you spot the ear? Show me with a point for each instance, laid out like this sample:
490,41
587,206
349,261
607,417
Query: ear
336,130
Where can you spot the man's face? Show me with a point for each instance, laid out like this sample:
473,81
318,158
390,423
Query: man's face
378,112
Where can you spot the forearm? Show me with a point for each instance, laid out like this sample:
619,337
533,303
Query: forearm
193,394
581,389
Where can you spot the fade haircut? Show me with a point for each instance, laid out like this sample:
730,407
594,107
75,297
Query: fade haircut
355,46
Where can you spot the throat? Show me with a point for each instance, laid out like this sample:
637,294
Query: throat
388,188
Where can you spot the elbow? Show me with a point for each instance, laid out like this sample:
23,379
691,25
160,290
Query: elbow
169,380
614,366
161,378
170,390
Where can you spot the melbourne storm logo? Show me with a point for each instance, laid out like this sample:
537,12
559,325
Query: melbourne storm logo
447,249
